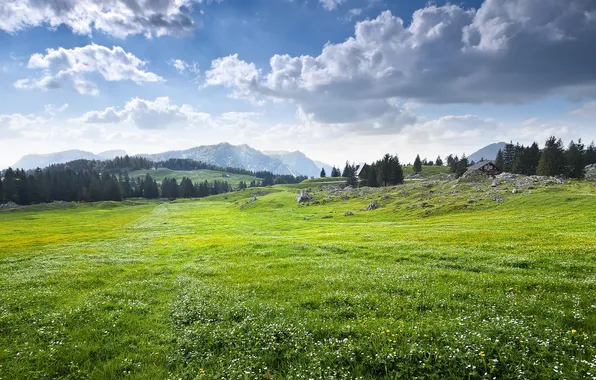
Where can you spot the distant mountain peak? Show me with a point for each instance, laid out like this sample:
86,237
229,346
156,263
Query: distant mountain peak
489,152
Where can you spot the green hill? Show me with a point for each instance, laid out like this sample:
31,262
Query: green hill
195,175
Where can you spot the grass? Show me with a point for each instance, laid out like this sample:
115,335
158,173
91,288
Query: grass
195,175
440,282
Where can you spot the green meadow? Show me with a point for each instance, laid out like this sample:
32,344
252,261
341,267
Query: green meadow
195,175
440,282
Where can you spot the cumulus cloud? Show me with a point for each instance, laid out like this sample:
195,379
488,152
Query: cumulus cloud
161,114
450,128
504,52
146,114
115,18
68,67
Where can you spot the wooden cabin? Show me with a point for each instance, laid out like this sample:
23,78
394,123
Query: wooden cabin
489,168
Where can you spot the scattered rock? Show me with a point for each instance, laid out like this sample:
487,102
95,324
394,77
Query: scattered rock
514,191
372,206
498,200
304,196
495,183
349,213
9,204
590,172
327,217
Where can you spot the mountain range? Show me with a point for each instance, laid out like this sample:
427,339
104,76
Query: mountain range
32,161
224,154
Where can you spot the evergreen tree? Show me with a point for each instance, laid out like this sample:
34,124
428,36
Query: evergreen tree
372,177
1,189
454,164
397,173
500,161
552,159
417,164
508,157
590,156
10,186
462,166
532,158
574,160
323,174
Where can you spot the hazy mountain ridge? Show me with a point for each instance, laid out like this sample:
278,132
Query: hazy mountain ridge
299,162
33,161
489,152
223,154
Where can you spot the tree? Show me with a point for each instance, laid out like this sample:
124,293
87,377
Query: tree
590,157
462,166
500,161
574,160
397,172
371,180
417,164
10,186
323,174
552,159
335,172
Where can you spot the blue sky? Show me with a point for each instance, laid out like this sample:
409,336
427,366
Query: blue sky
336,79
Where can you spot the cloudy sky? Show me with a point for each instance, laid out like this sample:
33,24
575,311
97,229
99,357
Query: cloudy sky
336,79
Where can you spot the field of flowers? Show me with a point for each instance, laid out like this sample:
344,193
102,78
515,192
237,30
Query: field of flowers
442,281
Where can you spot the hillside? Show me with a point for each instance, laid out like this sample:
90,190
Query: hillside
195,175
32,161
443,280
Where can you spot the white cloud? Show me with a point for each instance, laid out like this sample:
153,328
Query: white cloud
450,128
161,114
115,18
146,114
53,110
68,67
588,110
184,68
330,4
354,12
506,52
14,125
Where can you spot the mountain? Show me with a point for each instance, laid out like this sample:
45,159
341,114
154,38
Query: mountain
225,154
299,163
489,152
32,161
111,154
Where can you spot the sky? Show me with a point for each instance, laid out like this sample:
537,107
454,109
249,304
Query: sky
336,79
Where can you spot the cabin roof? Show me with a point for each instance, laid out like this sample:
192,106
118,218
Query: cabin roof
481,164
360,167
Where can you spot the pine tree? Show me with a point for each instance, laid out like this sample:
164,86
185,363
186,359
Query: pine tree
590,157
500,161
574,160
372,177
552,159
508,157
323,174
462,166
397,172
417,164
10,186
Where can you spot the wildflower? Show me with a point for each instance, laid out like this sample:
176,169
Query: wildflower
482,354
573,331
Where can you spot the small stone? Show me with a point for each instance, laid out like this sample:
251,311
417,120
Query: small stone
349,213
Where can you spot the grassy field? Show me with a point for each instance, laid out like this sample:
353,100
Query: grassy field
441,281
195,175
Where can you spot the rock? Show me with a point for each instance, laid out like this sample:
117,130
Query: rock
590,172
498,200
304,196
514,191
9,204
327,217
372,206
495,183
349,213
